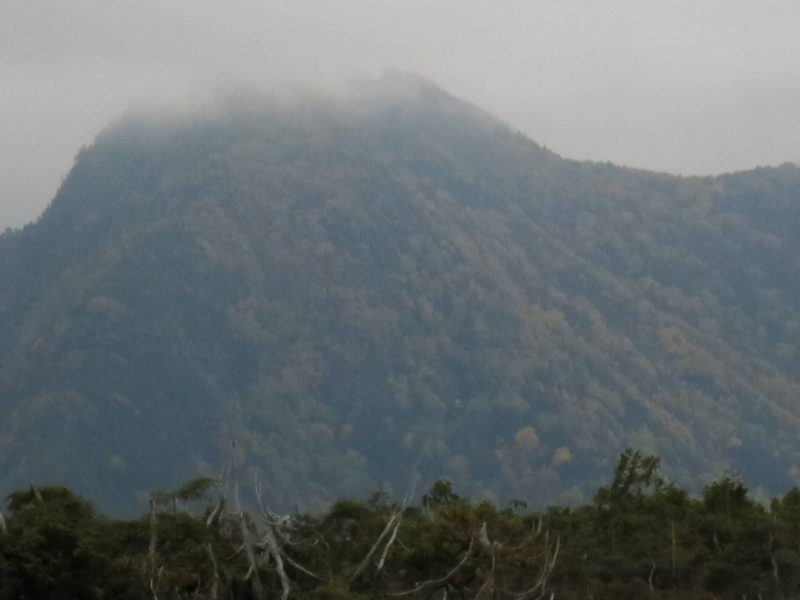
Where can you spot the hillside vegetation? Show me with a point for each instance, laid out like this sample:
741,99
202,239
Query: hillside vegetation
340,293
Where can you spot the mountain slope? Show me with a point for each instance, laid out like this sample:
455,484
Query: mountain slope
340,293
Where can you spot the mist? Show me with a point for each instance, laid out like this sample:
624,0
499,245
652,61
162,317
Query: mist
690,88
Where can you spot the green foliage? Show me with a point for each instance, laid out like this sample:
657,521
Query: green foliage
54,547
728,496
635,476
191,490
663,544
195,489
441,494
349,509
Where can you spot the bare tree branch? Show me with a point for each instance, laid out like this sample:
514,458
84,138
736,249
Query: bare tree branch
436,582
153,590
374,548
774,563
272,545
217,510
483,537
382,561
275,526
547,568
301,568
257,489
487,589
399,514
151,551
3,528
258,590
154,587
36,493
215,576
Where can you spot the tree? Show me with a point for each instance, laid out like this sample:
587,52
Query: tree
440,494
191,490
635,476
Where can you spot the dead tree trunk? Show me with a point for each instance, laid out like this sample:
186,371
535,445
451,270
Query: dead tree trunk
214,574
272,545
37,495
441,581
392,526
258,589
151,551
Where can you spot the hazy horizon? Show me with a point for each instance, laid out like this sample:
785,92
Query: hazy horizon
689,88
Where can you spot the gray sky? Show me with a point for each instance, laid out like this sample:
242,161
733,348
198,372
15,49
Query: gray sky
686,86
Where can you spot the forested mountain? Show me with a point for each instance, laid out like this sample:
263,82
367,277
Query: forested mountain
339,293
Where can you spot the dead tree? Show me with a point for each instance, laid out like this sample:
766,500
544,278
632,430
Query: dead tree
539,589
392,526
151,551
252,573
274,541
365,563
37,495
550,559
215,574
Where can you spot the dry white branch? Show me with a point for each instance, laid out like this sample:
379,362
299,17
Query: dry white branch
257,489
430,513
272,546
154,586
555,555
487,589
483,537
151,551
215,576
547,569
374,548
153,590
258,590
276,526
3,528
36,493
252,572
301,568
435,582
214,514
382,561
399,514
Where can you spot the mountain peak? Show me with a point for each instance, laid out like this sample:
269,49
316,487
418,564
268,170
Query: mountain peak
355,289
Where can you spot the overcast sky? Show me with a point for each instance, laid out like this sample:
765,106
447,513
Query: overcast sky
685,86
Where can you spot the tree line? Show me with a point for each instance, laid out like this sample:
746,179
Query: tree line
640,537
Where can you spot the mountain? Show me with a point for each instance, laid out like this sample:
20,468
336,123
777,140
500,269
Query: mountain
339,293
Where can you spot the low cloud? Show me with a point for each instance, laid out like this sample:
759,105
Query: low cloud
706,87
